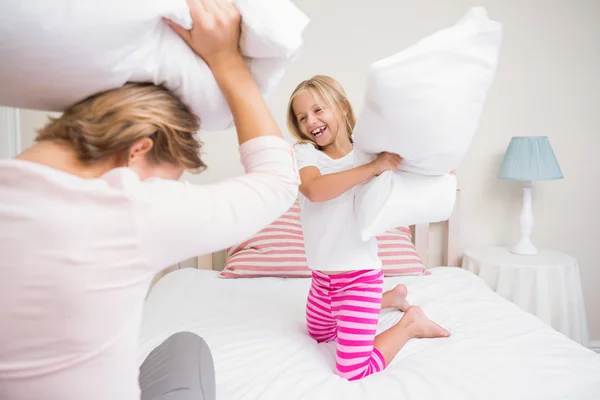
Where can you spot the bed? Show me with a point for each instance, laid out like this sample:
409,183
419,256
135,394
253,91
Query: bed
256,330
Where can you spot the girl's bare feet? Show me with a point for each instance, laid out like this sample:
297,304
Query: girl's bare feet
418,325
413,325
395,298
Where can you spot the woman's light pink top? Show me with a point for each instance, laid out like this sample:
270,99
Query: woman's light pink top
77,257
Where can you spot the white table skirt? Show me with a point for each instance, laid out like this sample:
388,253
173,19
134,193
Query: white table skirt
547,285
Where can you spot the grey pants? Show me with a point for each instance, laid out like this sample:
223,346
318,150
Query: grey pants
181,368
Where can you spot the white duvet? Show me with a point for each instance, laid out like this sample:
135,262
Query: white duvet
257,334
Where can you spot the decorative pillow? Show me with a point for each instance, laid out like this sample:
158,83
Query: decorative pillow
278,251
59,52
398,253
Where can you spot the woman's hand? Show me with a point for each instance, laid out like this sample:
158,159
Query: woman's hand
215,36
215,33
386,161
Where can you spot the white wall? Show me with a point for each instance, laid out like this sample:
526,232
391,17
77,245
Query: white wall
547,84
9,132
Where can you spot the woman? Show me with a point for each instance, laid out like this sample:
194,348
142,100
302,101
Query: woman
92,211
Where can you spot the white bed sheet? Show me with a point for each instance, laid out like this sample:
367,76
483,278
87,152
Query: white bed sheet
257,334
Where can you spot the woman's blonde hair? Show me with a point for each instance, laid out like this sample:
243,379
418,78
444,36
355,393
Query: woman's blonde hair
107,124
334,95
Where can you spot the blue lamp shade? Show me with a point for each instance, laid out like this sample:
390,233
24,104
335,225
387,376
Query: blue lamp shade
530,158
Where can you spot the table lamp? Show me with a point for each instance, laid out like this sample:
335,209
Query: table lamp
528,159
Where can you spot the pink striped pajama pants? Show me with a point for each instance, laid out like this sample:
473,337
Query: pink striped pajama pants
346,307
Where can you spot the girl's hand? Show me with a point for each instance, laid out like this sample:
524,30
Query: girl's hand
215,33
386,161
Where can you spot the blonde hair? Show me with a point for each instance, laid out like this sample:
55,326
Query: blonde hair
334,95
107,124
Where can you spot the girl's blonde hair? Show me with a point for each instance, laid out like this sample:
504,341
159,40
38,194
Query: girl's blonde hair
107,124
334,95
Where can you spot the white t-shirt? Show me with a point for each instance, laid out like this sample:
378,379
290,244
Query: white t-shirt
331,237
77,257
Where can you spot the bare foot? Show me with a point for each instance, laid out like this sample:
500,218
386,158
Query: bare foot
413,325
395,298
419,326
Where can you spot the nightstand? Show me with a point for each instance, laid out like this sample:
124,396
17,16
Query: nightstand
546,284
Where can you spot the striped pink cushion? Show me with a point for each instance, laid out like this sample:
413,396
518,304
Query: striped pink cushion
398,254
278,251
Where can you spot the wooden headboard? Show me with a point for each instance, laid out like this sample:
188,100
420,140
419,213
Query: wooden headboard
421,238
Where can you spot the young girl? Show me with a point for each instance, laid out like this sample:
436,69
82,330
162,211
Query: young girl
347,280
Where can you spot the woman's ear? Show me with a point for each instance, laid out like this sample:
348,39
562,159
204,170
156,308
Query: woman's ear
138,151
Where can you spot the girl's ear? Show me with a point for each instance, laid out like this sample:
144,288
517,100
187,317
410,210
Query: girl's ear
345,106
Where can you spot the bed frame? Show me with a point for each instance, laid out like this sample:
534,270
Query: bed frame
421,238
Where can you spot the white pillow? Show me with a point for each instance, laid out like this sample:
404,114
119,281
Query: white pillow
55,53
399,198
425,102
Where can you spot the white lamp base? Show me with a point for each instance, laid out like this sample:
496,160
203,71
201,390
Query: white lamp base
524,246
